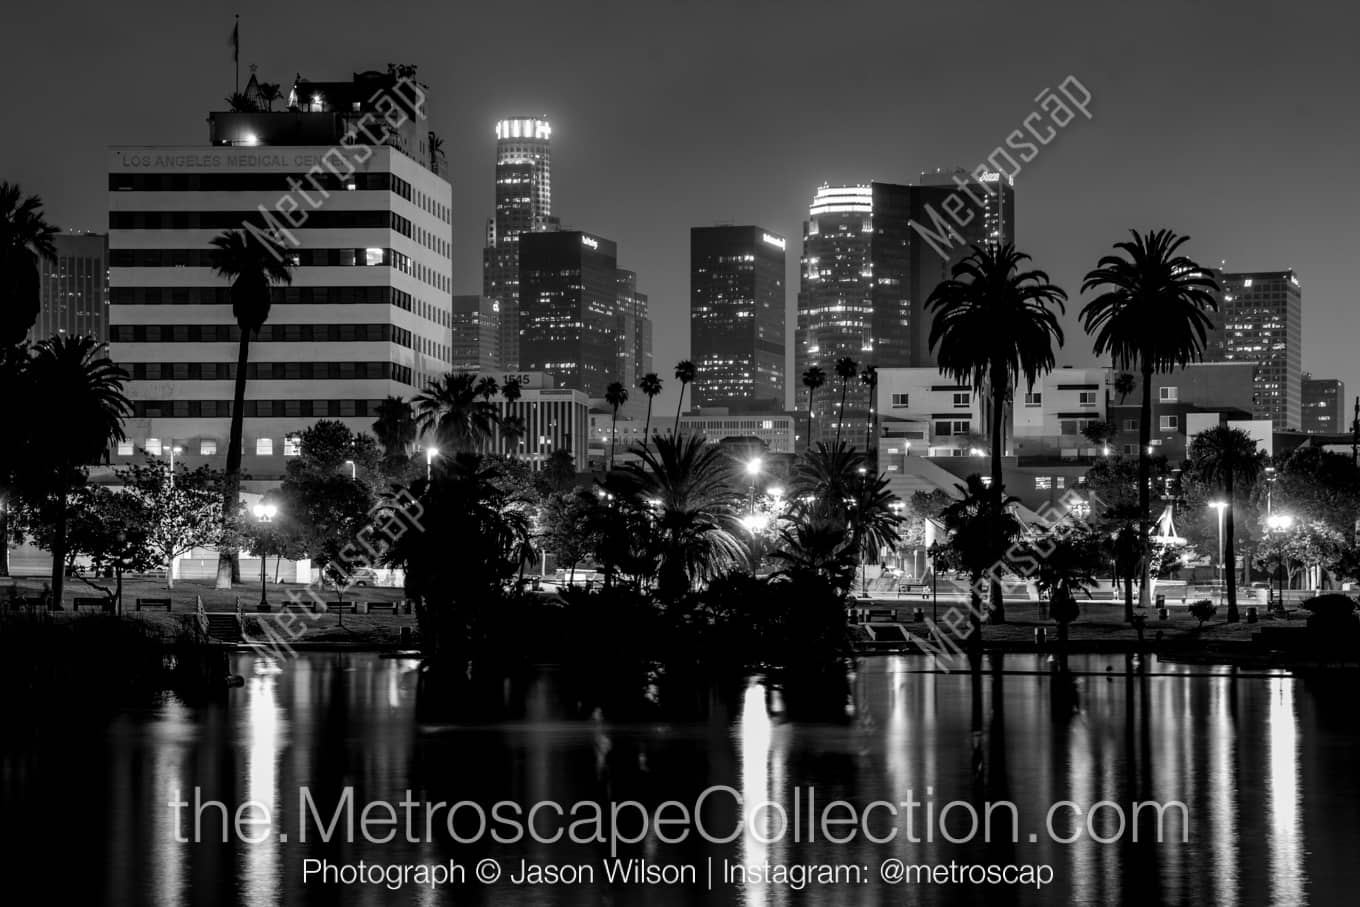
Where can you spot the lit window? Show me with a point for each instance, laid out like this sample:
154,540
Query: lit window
1043,483
207,448
153,446
264,447
1087,398
1168,423
124,448
960,399
1168,394
373,257
1059,481
1130,425
901,401
1034,399
292,446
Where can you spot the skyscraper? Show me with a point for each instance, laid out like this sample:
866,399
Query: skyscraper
73,290
476,334
1263,323
634,327
1324,406
736,306
523,205
871,256
568,304
358,214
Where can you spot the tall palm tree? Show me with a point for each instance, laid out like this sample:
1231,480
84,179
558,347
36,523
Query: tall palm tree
513,431
684,373
395,428
847,369
512,390
685,483
615,395
1151,316
253,271
25,240
813,378
487,387
1226,457
649,384
869,378
77,411
993,324
269,93
454,410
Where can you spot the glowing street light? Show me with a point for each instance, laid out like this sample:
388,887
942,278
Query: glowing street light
353,472
1280,523
264,513
753,466
1220,506
430,454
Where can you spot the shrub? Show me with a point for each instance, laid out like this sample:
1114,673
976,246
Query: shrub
1202,610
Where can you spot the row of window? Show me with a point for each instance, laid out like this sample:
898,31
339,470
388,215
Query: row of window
277,371
276,333
1164,423
234,220
221,409
257,182
349,295
203,258
903,401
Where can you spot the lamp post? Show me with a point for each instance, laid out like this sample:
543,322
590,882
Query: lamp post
753,467
430,454
1220,506
353,471
264,513
173,450
1278,524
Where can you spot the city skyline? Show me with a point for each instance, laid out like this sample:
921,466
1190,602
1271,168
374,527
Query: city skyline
1196,183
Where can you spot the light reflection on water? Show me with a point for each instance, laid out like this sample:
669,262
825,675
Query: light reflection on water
1255,759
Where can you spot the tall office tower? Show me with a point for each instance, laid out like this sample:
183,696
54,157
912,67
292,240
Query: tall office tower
736,318
871,256
523,205
73,291
1263,323
634,331
1324,406
340,187
568,303
476,334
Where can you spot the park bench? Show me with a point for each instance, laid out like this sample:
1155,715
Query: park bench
93,604
340,607
920,589
389,607
151,603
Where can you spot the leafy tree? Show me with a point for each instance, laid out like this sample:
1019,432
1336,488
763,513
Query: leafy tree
558,473
111,528
253,270
513,431
813,377
684,373
1064,561
568,527
650,385
1152,315
615,395
1310,545
1225,457
183,510
923,507
993,325
395,428
981,530
458,412
1100,432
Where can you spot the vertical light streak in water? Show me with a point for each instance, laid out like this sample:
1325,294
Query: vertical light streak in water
1081,767
167,777
261,883
898,737
1221,776
757,732
1286,828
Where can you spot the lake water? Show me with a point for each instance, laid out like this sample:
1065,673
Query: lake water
1267,767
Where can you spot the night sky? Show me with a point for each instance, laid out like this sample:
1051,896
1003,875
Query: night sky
1232,122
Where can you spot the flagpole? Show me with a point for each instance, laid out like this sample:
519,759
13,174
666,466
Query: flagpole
237,55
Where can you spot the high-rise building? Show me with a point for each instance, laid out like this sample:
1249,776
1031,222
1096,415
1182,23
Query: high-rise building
523,205
339,187
634,330
476,334
1324,406
736,305
1263,324
871,256
568,304
73,290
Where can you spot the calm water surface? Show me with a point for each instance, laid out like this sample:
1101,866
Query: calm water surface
1266,765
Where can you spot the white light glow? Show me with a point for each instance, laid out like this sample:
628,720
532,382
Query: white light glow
777,241
590,241
842,200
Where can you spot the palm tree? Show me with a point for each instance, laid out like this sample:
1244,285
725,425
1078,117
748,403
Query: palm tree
684,373
25,240
1065,562
512,390
994,324
487,387
650,384
1125,384
78,411
981,529
831,484
1152,316
847,370
684,481
253,271
438,162
1225,457
869,378
269,93
615,395
395,428
240,102
454,409
513,430
813,378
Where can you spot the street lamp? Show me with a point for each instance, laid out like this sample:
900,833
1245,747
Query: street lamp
1278,524
753,467
173,450
264,513
1221,506
430,454
353,472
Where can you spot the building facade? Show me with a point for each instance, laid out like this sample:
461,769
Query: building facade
1223,390
634,330
773,430
523,205
358,215
736,306
475,335
548,418
1263,324
568,304
1049,419
1324,406
73,289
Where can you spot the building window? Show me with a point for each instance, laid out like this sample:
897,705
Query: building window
1130,425
901,401
207,448
1087,398
1168,423
1043,483
1168,394
264,447
292,445
153,446
1034,399
1059,481
124,448
960,399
